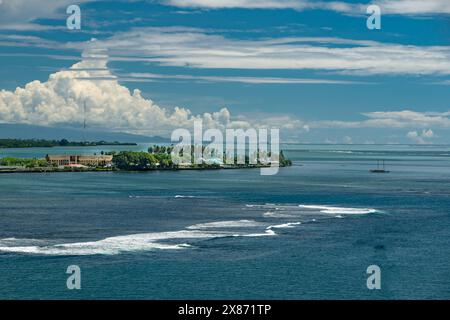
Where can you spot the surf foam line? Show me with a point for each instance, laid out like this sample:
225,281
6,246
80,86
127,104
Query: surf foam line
227,224
290,209
338,210
284,225
270,214
297,211
132,243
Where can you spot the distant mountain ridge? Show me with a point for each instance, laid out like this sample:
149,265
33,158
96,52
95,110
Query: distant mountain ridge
25,131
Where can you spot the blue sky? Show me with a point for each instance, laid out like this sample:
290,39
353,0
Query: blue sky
311,68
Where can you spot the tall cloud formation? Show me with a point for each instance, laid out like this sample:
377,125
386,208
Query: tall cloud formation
61,100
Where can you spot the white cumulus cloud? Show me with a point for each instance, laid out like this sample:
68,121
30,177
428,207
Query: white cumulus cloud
61,99
421,137
109,105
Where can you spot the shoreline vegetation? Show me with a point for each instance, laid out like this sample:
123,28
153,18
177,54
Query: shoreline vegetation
41,143
156,158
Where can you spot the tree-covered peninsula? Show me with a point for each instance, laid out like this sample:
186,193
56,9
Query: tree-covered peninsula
155,158
159,157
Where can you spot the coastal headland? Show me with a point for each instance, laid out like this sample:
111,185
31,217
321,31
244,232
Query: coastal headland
157,157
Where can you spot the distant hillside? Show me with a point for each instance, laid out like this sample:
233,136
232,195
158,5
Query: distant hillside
23,131
39,143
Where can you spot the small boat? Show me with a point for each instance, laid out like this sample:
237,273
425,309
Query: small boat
380,168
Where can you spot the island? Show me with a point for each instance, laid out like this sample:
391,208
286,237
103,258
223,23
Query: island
155,158
40,143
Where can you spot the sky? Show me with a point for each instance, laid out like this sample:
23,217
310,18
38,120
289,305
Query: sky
310,68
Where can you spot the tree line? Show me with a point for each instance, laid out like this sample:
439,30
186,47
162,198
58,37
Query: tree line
159,157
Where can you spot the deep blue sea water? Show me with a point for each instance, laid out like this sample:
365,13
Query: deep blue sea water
309,232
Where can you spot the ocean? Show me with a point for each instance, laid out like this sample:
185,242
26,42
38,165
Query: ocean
309,232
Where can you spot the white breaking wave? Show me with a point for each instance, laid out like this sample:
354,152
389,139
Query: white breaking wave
131,243
227,224
270,214
80,249
114,245
284,225
273,206
338,210
338,151
268,232
21,242
156,240
291,211
139,197
181,196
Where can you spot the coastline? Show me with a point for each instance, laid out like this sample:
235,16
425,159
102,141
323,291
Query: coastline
80,170
157,158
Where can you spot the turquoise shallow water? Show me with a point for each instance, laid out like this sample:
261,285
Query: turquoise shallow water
309,232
